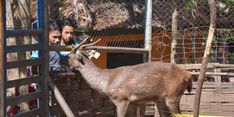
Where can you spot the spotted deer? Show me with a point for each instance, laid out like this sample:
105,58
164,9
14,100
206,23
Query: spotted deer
163,83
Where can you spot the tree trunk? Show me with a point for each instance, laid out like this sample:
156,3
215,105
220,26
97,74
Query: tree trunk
203,69
21,19
174,32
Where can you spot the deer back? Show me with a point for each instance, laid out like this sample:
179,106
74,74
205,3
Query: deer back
147,80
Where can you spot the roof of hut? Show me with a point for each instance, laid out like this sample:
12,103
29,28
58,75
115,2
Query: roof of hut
124,14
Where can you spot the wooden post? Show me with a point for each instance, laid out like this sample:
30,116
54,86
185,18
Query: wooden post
2,73
201,77
174,32
217,78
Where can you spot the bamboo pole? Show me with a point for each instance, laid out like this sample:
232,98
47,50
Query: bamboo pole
60,98
201,77
2,91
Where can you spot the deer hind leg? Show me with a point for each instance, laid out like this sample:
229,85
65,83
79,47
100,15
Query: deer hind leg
141,111
173,104
121,107
136,110
163,109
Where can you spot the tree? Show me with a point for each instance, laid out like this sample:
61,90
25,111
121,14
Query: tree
174,31
203,69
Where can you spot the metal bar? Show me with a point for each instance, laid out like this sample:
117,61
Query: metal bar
2,58
60,48
23,32
22,48
148,28
31,113
24,98
43,23
23,63
102,48
118,49
23,81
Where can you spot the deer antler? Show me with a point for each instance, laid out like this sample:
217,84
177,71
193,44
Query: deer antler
80,44
90,44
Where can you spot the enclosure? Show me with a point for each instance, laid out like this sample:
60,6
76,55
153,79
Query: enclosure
131,32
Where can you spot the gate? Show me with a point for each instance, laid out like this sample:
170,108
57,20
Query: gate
41,95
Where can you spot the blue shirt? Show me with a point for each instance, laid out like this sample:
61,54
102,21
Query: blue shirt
64,54
35,53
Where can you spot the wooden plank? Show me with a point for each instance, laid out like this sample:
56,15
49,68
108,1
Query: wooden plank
210,65
18,99
24,81
23,32
215,73
31,113
23,63
196,66
212,103
212,85
224,65
22,48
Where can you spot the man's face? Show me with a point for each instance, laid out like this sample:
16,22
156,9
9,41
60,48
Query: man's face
54,37
67,33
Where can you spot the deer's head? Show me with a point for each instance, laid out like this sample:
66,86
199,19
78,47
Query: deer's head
79,53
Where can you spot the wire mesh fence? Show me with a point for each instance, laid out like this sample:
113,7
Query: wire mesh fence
122,24
117,22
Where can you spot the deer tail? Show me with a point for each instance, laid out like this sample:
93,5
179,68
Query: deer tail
190,85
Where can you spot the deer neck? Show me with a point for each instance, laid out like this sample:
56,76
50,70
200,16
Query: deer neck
93,75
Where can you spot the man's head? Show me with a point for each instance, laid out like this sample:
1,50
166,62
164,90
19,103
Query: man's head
54,33
67,30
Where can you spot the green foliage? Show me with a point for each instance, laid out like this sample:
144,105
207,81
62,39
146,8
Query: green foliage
229,34
230,4
189,5
231,60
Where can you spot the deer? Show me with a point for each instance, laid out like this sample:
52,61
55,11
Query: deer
160,82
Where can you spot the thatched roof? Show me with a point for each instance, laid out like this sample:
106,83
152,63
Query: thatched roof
124,14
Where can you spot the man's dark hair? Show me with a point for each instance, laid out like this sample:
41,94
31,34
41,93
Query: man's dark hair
53,25
68,22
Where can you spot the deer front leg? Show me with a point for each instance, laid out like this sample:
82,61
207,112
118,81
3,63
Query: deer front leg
121,107
173,104
163,109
